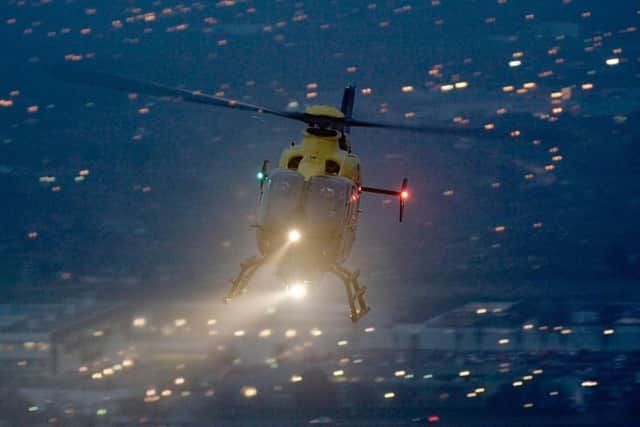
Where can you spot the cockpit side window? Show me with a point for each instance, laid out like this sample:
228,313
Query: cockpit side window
354,206
331,167
294,162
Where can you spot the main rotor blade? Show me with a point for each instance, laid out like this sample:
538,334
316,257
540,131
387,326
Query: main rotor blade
429,129
535,128
126,84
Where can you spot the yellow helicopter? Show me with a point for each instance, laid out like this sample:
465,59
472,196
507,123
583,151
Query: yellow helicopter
308,206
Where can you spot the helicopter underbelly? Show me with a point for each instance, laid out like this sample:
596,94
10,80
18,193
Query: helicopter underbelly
322,249
303,261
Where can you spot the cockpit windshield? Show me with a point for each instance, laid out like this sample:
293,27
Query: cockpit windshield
280,198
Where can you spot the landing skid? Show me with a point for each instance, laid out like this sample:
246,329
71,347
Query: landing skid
355,293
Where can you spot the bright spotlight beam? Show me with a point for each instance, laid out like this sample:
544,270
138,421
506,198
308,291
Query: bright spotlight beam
294,236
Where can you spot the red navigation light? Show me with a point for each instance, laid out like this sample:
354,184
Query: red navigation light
404,194
433,418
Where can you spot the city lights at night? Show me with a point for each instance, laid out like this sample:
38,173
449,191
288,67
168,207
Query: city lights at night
292,213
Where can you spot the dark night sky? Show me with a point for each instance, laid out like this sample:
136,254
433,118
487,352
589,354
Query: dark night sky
171,192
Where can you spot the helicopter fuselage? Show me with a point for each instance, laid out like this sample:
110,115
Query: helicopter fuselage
315,191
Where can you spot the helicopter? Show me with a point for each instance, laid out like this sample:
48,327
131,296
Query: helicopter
308,206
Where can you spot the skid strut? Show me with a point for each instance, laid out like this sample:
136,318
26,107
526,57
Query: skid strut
247,269
355,293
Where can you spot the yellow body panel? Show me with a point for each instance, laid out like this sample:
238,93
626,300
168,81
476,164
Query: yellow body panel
314,152
324,110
